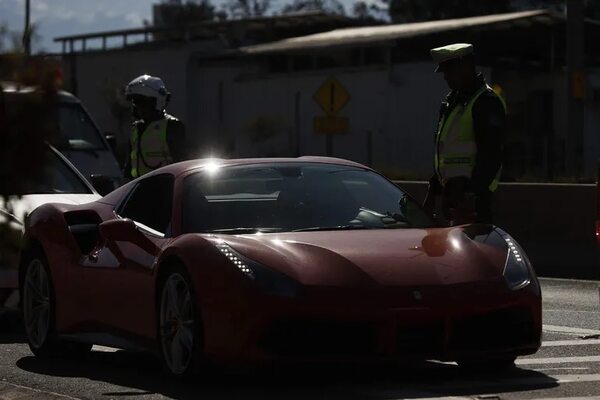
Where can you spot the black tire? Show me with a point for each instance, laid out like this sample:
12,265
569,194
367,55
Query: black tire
178,276
488,364
44,344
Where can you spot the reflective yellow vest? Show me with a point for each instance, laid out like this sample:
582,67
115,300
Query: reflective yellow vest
455,147
152,151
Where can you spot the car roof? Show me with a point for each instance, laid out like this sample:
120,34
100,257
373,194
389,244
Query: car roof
183,167
186,166
16,88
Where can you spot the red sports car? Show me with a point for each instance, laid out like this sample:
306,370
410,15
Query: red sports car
301,259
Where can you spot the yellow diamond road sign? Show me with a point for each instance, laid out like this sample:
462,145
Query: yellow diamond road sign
331,96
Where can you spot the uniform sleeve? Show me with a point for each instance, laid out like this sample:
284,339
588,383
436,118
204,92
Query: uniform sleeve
176,140
489,124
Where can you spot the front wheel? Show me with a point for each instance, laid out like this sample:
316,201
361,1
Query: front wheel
39,313
179,325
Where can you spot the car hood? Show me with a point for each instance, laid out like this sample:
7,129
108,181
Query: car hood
390,257
18,207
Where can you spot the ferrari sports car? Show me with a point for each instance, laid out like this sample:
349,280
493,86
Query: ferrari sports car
306,259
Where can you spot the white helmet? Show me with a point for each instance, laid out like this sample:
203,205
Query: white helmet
149,86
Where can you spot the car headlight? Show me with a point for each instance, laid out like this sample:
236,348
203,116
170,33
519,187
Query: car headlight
517,268
270,281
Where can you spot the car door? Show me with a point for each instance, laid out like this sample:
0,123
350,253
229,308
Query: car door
119,273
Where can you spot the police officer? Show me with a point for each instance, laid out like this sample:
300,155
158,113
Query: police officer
157,138
469,140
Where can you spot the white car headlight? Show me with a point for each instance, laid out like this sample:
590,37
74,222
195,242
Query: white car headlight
270,281
517,270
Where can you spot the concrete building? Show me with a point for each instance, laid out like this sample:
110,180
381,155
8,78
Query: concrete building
373,88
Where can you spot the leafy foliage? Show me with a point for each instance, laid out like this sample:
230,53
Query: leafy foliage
425,10
27,119
248,8
175,13
326,6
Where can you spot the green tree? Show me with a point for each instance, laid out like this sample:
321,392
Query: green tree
248,8
176,13
370,10
326,6
12,41
427,10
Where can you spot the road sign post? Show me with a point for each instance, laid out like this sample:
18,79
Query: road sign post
332,97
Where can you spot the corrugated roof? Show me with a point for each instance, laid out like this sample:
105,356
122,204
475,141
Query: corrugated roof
383,33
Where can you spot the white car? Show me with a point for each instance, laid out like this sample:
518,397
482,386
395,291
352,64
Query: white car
79,139
60,182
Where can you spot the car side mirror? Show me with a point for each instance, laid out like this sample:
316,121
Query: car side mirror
111,139
118,229
125,230
103,184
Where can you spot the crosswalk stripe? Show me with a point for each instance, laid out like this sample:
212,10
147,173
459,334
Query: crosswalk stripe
569,330
502,384
570,398
578,378
557,360
577,342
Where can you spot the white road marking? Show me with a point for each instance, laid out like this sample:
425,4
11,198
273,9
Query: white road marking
419,395
104,349
562,369
569,330
578,378
577,342
571,311
557,360
500,383
570,398
14,391
563,280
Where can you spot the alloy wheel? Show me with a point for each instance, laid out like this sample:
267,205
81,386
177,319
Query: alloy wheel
177,324
36,303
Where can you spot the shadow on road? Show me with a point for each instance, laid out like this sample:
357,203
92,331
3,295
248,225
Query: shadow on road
142,374
11,327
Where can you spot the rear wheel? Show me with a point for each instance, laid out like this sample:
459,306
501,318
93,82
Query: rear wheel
39,313
179,325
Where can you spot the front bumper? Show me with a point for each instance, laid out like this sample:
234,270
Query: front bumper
332,324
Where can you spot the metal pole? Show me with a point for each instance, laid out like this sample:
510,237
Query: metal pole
329,145
297,125
27,30
576,86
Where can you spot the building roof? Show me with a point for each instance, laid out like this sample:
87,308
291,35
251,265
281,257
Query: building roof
271,27
384,33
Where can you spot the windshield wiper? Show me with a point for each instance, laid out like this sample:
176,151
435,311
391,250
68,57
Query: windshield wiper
241,231
334,228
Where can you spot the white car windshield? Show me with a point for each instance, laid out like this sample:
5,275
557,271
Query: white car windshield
77,130
57,177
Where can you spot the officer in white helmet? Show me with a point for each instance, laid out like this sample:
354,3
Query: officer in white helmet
469,141
157,138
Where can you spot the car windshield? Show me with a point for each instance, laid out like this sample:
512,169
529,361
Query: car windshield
57,177
295,197
78,132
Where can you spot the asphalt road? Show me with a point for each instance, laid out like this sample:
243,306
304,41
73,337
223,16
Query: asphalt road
567,366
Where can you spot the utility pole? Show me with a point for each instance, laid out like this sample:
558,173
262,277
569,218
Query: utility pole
576,87
27,30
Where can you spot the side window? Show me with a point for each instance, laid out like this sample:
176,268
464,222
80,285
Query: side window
150,203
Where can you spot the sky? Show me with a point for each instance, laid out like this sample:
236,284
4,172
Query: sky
70,17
